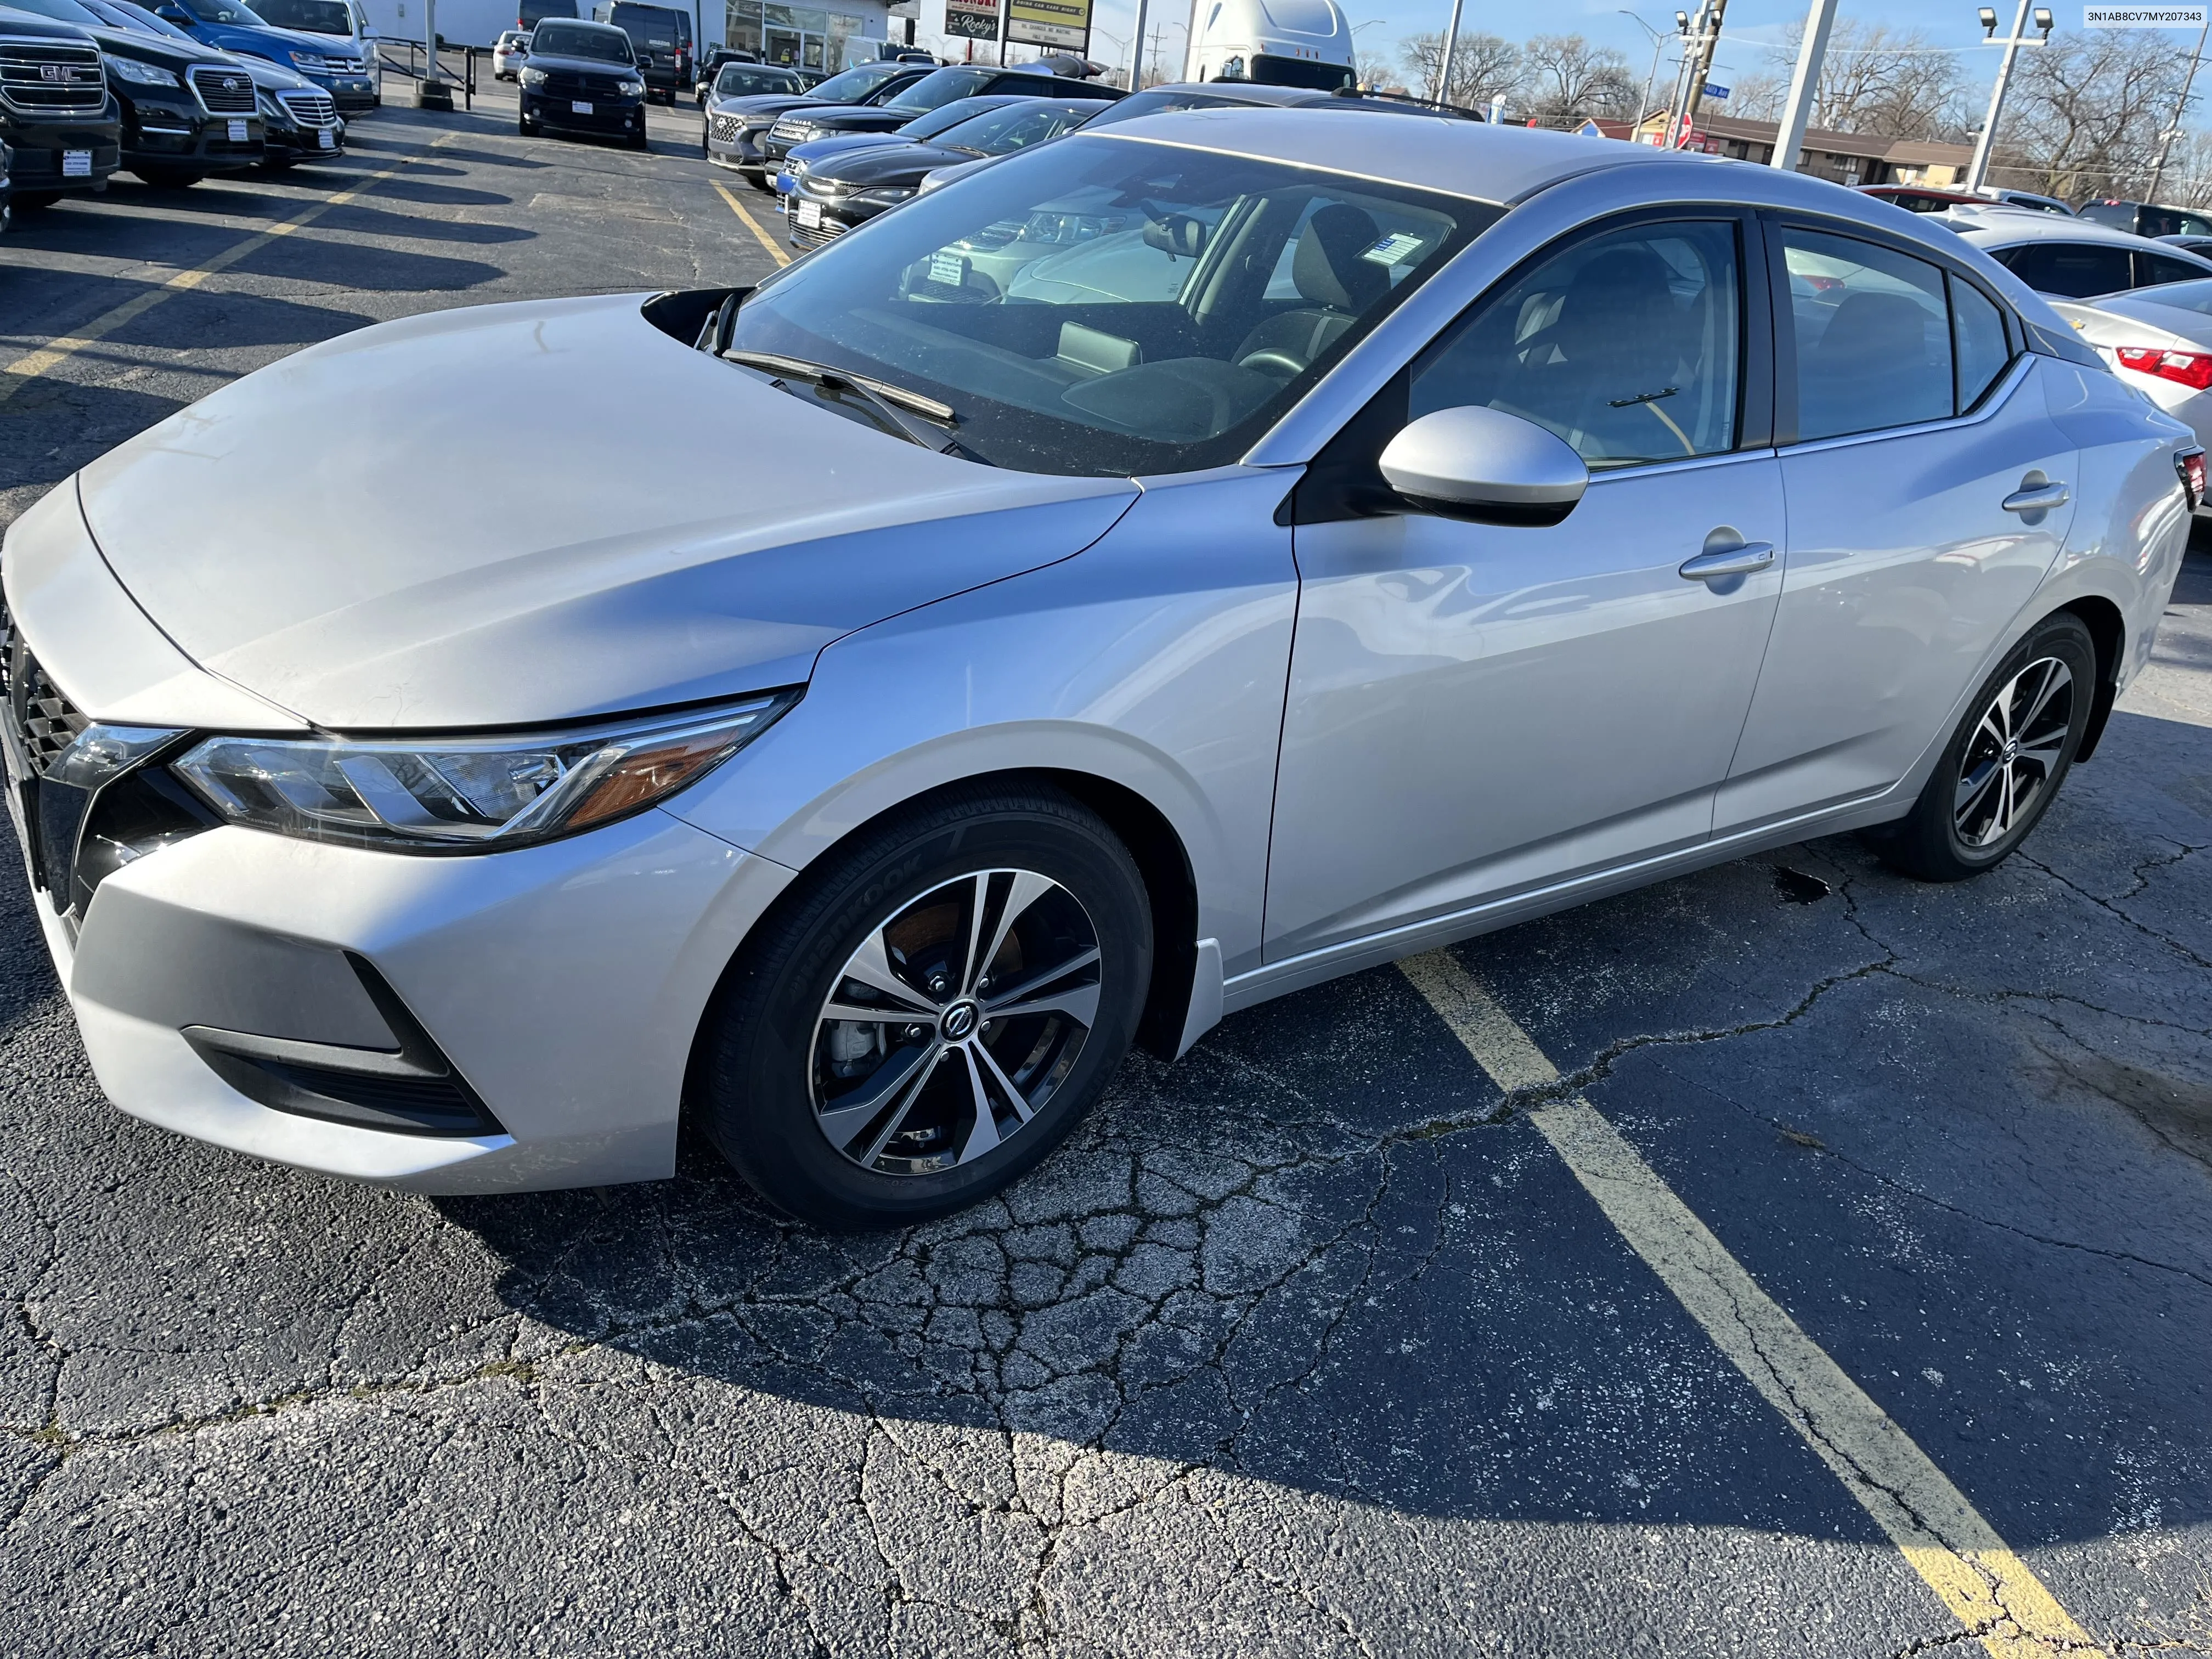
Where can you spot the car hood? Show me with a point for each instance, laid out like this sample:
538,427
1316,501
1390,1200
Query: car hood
845,117
523,515
269,76
816,151
244,37
155,49
760,103
538,60
898,164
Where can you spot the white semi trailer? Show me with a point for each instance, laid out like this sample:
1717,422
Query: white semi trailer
1281,42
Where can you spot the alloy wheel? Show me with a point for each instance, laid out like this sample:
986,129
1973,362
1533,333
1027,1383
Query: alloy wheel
2014,753
953,1024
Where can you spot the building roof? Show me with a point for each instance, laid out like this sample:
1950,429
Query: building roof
1897,152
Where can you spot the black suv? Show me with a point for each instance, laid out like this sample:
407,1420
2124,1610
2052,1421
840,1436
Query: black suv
581,77
2147,218
187,110
937,88
661,36
62,127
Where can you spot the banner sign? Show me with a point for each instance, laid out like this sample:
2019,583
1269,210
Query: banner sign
1064,23
2143,17
972,20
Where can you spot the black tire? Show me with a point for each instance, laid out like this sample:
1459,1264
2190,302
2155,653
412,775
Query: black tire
759,181
30,201
2015,744
283,163
524,126
638,140
765,1050
704,152
169,178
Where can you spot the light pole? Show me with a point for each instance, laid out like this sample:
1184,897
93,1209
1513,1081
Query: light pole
1444,58
1356,27
1979,171
1658,46
1804,84
2181,105
1137,48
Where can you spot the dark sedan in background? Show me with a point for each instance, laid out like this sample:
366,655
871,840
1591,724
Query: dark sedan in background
830,194
582,78
736,127
917,131
934,91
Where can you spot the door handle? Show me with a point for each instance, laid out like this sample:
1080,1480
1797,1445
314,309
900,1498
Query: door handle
2038,498
1738,561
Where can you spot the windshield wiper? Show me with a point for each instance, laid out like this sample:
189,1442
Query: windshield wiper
889,403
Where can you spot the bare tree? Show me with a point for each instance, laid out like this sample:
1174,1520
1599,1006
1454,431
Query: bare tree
1876,80
1568,79
2085,112
1484,67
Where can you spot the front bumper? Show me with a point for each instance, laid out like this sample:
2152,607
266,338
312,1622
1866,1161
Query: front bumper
180,136
42,152
606,118
561,986
349,92
304,143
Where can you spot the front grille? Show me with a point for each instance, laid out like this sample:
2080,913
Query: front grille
42,79
562,83
790,132
45,720
223,91
725,129
310,109
824,232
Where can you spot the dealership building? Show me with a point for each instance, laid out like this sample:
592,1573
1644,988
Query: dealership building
825,37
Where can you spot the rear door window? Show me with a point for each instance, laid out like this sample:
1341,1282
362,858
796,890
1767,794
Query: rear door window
2154,268
1873,333
2072,271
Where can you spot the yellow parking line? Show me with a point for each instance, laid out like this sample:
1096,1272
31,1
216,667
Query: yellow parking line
751,224
1989,1590
54,353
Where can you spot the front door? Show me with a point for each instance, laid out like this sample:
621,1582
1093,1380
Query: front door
1929,494
1475,710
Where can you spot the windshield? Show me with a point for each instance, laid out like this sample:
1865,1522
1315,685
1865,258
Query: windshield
125,16
939,87
662,27
2182,296
747,79
1015,127
596,42
66,11
1100,307
1271,71
854,84
316,16
223,11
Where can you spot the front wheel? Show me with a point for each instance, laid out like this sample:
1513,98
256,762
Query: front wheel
168,178
928,1013
2006,761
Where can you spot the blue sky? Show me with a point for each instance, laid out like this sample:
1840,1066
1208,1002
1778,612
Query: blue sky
1752,25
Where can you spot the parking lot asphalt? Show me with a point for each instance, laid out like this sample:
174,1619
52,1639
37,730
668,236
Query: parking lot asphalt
1323,1340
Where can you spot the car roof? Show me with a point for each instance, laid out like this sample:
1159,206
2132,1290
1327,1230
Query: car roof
1471,159
1999,225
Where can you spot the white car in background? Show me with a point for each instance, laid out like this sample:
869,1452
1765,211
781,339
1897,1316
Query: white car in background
2158,340
2072,258
508,53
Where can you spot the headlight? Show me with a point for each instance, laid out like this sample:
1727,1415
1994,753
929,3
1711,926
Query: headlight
532,77
311,62
883,195
143,75
428,795
630,89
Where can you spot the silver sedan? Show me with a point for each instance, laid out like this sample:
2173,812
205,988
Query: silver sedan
1165,570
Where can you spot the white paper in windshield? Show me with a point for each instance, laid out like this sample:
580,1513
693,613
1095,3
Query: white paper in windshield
1392,249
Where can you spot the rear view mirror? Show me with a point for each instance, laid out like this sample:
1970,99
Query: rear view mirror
1485,465
1175,234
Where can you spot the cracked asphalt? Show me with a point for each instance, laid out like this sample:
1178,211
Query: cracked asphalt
1307,1344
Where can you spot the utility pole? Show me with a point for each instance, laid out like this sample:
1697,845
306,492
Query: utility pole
1978,172
2180,107
1137,48
1692,30
1444,59
1804,84
1715,10
1658,46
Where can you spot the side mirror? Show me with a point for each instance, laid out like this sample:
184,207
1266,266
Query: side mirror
1485,465
176,15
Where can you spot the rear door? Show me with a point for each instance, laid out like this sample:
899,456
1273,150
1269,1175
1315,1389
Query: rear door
1928,492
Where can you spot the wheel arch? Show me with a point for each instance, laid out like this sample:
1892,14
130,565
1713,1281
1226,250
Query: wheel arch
2108,631
1163,862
